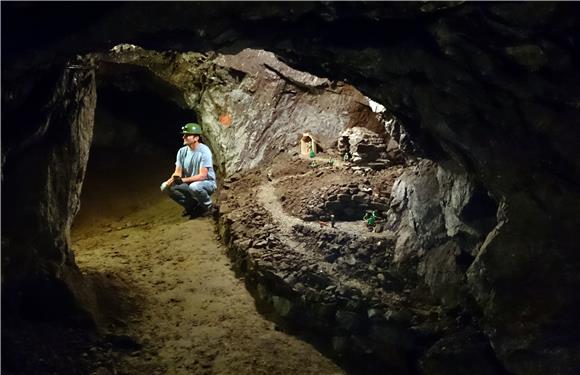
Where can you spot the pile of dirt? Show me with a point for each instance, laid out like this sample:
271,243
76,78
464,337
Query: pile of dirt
305,186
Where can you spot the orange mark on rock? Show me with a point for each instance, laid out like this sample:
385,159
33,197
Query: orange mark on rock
225,119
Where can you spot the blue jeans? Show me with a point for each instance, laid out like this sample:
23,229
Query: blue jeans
190,195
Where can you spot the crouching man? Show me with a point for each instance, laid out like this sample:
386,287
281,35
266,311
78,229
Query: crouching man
193,180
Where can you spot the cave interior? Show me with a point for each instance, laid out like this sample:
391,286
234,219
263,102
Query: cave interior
485,219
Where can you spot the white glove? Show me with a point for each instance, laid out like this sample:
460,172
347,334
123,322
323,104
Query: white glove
163,186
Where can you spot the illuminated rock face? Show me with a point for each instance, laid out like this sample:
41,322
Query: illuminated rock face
251,105
494,87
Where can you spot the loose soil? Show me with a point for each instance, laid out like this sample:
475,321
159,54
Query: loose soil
181,309
301,181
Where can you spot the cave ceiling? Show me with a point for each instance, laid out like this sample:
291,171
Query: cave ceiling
464,78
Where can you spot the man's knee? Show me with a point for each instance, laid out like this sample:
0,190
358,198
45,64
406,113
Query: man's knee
196,187
201,187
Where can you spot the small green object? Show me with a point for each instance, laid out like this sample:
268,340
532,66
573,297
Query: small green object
313,164
191,128
345,157
312,153
371,219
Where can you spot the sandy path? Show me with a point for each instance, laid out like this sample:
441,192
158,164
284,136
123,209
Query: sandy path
195,316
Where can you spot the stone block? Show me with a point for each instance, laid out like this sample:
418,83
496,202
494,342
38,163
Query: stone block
348,320
344,198
379,206
361,198
340,344
333,206
282,306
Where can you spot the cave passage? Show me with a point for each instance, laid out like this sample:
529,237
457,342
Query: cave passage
136,137
177,300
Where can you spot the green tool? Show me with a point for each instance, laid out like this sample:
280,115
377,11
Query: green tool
371,218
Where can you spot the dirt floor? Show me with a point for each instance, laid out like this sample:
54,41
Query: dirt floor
184,310
170,301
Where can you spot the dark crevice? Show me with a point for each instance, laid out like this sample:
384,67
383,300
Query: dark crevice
136,124
480,207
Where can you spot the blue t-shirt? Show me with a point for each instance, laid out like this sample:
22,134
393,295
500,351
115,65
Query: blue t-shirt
191,160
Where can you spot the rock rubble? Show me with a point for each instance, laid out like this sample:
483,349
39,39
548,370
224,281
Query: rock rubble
344,286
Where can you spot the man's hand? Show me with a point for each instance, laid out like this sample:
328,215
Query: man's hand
177,180
173,180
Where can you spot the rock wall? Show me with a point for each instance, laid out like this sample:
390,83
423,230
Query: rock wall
436,237
251,105
364,147
43,170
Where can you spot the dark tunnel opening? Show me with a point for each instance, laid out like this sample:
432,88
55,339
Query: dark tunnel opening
135,139
135,124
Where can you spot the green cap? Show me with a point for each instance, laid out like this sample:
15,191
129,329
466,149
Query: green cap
191,128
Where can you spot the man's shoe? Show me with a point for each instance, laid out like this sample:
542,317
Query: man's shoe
205,211
192,211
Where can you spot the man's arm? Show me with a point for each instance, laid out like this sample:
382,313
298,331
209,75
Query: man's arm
201,176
